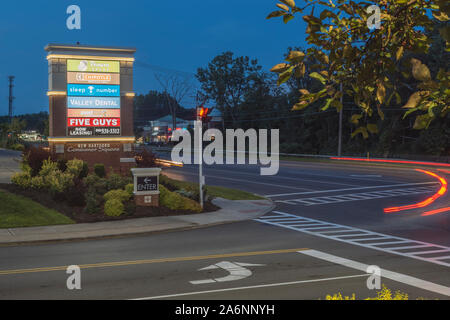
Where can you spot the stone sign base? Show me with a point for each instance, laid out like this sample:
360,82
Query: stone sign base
116,155
149,200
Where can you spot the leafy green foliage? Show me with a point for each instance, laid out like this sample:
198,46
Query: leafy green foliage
118,194
114,208
175,201
372,65
99,169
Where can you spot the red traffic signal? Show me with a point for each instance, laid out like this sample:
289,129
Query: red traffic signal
203,112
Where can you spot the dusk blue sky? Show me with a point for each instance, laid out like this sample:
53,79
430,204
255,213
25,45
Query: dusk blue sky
178,35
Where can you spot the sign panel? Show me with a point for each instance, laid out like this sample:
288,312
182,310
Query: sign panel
107,131
93,122
93,66
93,131
93,102
147,183
93,78
93,113
93,90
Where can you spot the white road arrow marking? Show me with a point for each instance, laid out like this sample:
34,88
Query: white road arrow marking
236,271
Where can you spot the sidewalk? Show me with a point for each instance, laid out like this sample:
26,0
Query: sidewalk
231,211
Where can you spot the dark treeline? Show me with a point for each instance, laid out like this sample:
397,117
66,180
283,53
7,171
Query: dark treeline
154,105
29,121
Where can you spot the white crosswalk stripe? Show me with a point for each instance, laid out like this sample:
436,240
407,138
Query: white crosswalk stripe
356,196
364,238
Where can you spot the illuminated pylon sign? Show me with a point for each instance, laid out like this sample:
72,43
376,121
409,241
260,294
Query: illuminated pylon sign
91,96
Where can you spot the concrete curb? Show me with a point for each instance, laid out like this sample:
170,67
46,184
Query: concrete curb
231,211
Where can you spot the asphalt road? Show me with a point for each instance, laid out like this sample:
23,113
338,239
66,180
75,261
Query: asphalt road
316,242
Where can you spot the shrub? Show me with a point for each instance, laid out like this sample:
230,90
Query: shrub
115,181
130,189
118,194
62,164
175,201
25,167
99,170
91,179
17,147
145,159
84,171
130,207
58,181
96,184
21,179
38,182
48,167
93,203
35,157
114,208
75,195
74,167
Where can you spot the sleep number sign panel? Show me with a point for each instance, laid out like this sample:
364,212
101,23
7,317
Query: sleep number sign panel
93,98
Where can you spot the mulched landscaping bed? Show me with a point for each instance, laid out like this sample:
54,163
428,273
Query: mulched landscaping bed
78,215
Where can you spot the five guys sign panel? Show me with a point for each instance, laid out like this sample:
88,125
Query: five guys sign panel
93,98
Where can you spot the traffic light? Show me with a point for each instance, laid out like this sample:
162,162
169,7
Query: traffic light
203,112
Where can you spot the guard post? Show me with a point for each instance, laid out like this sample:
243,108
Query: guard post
146,186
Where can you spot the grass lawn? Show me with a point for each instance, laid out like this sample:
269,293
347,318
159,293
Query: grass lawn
18,211
214,191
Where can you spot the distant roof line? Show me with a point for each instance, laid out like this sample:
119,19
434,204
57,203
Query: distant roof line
52,46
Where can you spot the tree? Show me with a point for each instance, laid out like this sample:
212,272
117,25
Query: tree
226,81
369,63
176,87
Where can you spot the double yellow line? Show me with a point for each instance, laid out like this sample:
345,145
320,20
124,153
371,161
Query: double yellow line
150,261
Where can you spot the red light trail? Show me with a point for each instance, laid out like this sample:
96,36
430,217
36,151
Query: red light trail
394,161
427,201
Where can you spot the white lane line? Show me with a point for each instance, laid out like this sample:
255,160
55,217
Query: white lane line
356,196
301,177
253,287
399,277
366,175
410,247
350,189
253,181
428,252
351,235
442,258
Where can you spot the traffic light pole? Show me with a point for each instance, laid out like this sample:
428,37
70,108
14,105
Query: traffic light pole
201,178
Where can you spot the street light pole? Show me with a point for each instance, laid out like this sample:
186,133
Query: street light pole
340,124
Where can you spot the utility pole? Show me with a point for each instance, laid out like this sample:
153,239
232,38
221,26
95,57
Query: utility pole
11,98
340,123
199,130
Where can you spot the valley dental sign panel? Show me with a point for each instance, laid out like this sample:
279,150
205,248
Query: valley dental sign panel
93,98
